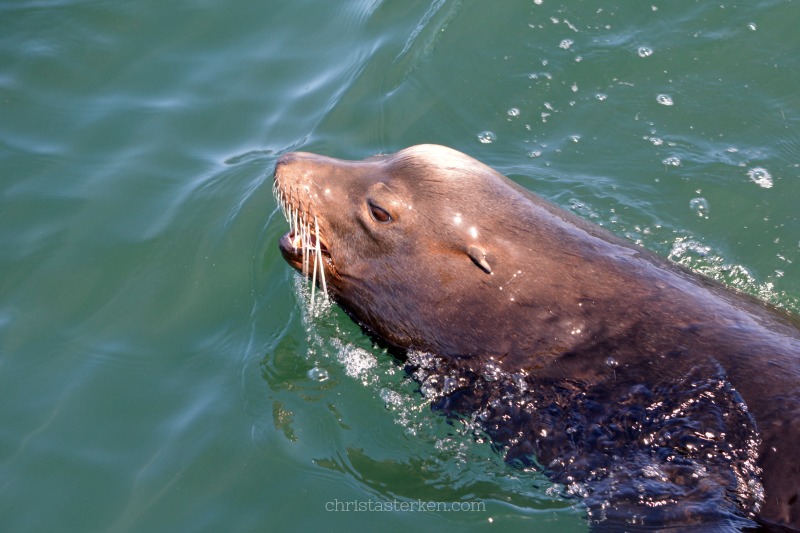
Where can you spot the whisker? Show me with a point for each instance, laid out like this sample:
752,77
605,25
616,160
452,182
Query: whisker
318,255
314,274
305,237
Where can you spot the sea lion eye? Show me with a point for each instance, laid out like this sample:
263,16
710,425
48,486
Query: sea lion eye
379,214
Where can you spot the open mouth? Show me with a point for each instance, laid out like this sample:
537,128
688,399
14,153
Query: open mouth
302,247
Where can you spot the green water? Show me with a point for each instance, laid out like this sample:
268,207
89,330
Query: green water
158,367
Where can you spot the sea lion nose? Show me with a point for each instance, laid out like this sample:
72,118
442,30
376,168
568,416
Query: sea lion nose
286,159
299,158
288,165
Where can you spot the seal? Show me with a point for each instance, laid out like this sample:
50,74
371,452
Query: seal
659,397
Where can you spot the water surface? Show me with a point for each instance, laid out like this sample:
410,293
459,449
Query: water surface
159,370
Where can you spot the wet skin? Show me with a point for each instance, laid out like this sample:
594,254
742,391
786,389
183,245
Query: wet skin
660,396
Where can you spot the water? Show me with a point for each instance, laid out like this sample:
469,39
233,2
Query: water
159,370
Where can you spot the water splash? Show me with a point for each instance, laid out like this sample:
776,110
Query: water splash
668,453
761,177
664,99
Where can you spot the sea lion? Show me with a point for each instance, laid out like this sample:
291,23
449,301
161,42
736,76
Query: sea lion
658,396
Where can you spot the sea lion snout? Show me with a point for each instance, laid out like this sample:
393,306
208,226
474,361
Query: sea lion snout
297,164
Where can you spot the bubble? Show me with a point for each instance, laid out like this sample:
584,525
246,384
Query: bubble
566,44
601,96
538,2
752,26
672,161
318,374
430,387
611,362
644,51
760,177
513,112
700,206
575,138
491,372
533,154
664,99
487,137
450,385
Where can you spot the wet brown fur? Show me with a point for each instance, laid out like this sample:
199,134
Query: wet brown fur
562,297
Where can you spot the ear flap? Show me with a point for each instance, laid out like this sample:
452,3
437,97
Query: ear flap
478,256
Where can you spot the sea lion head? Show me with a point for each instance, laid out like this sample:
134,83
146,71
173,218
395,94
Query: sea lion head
409,243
